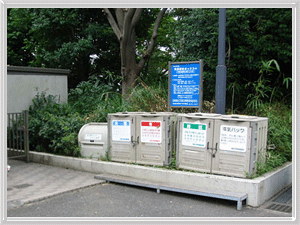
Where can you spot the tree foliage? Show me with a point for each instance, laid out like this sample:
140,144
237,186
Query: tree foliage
253,36
19,23
67,38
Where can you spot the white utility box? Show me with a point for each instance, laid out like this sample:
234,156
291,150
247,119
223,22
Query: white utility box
92,139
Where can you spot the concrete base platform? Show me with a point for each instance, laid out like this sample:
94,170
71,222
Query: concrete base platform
259,190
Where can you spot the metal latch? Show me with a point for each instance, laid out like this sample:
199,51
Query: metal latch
212,151
134,143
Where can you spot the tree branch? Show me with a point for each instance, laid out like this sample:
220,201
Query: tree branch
120,18
136,17
113,24
150,48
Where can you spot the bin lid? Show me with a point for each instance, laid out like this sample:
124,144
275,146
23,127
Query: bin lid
239,117
96,132
205,114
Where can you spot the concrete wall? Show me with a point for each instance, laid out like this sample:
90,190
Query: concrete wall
23,84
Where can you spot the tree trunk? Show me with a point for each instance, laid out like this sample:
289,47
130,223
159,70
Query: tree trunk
129,67
123,25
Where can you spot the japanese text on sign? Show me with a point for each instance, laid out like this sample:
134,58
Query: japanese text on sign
185,84
233,138
194,134
121,130
151,131
93,136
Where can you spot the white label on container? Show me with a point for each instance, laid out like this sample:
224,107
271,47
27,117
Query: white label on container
121,130
194,134
93,137
151,131
233,138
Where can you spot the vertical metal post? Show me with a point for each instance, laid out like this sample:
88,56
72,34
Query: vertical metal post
9,130
13,133
221,68
26,135
18,116
169,88
201,86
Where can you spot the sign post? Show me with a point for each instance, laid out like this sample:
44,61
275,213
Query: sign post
221,68
185,85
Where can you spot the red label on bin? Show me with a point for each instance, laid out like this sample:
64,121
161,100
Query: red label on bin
150,124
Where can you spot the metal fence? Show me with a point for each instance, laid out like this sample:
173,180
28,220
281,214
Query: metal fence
17,135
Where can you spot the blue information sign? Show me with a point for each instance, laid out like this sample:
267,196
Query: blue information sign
185,84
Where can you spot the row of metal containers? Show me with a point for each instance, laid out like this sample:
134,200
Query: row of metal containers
213,143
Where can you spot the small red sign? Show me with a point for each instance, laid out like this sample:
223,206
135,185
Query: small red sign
150,124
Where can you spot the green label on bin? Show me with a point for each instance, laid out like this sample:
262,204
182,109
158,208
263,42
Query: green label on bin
194,134
194,126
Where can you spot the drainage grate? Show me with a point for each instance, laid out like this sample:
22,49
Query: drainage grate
280,207
282,202
23,185
285,197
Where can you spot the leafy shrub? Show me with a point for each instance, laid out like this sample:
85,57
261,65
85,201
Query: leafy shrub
52,126
279,135
114,103
148,99
88,94
280,128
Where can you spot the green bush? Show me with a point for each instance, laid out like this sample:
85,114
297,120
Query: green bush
112,104
148,99
280,128
86,97
53,125
279,135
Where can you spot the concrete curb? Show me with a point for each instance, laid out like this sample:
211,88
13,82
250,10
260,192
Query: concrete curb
259,190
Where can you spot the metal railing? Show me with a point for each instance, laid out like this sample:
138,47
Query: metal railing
17,135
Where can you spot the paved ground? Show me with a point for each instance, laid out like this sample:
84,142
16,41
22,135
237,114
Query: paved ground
29,182
36,190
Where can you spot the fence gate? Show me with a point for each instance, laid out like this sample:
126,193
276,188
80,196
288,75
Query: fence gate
17,135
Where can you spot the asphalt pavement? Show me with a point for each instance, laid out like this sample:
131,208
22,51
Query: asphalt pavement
38,190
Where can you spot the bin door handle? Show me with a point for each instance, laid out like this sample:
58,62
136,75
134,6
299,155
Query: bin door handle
216,149
190,117
135,142
213,150
150,115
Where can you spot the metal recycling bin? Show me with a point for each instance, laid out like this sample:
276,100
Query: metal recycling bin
92,138
194,138
153,135
140,137
121,133
239,142
221,144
